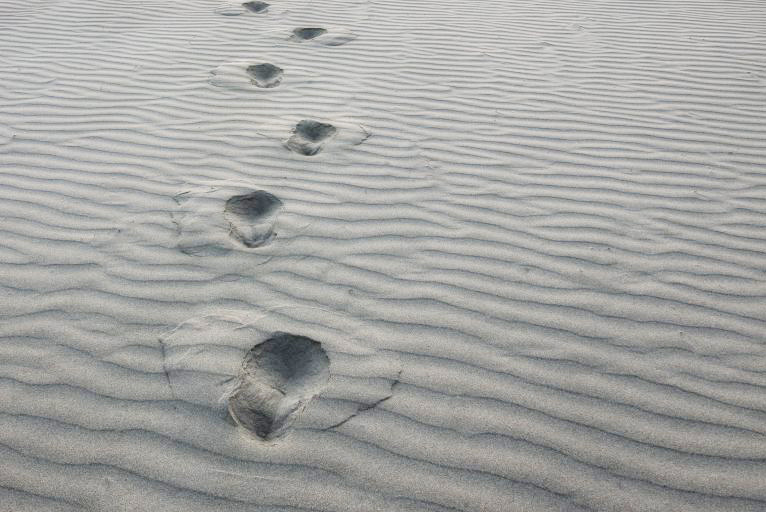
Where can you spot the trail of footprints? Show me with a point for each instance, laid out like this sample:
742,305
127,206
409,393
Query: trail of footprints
281,375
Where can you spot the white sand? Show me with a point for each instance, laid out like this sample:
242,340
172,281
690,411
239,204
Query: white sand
531,242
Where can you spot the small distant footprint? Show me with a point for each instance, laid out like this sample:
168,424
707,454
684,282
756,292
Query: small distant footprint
265,75
256,7
243,75
310,136
323,36
237,9
251,217
304,34
278,378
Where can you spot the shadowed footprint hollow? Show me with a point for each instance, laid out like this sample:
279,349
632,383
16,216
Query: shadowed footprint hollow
265,75
310,136
256,7
278,378
305,34
251,217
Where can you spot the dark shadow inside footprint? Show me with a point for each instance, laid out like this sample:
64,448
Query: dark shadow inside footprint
304,34
255,6
278,378
314,131
251,217
265,75
309,136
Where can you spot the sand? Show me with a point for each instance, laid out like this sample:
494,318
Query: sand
523,245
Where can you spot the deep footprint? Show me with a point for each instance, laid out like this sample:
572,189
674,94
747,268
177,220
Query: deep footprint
251,217
306,34
265,75
255,6
279,377
309,136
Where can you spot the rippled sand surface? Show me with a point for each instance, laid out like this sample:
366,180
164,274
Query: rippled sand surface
336,255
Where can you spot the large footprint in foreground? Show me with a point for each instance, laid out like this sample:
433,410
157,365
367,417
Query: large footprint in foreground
279,377
285,382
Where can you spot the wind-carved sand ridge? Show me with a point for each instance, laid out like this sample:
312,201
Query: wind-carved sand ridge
278,379
6,135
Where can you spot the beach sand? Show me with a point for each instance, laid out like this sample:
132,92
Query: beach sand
335,255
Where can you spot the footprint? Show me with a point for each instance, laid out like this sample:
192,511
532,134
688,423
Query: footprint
243,75
251,217
278,378
256,6
215,220
309,136
305,34
265,75
323,36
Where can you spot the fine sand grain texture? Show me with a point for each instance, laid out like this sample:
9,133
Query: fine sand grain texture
357,256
